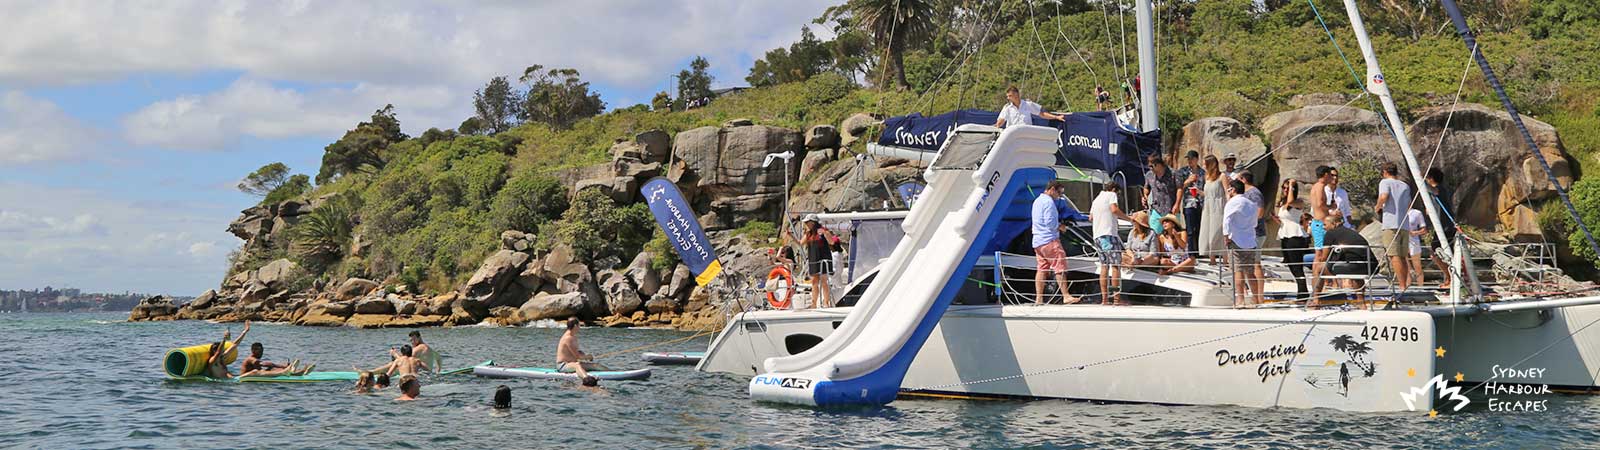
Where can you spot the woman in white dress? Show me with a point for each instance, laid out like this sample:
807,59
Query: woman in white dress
1211,243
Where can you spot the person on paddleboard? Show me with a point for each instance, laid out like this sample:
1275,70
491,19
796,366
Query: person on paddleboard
254,366
569,359
216,364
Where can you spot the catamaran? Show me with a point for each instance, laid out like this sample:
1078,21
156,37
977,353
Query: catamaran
950,311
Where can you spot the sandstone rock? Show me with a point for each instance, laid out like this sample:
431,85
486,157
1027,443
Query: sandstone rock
682,282
153,308
738,123
369,320
493,276
404,307
204,300
252,222
822,136
238,279
354,288
276,273
1305,138
516,241
619,189
1219,136
563,267
417,321
661,303
855,127
622,297
617,322
255,292
657,145
1490,168
374,306
359,245
341,309
642,274
291,208
814,160
1318,98
552,306
319,316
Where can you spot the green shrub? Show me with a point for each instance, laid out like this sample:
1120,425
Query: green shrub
528,201
665,257
757,233
1585,195
320,239
296,186
596,227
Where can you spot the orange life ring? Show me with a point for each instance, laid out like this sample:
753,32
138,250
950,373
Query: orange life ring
777,274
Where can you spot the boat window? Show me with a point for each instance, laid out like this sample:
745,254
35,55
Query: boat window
800,342
851,297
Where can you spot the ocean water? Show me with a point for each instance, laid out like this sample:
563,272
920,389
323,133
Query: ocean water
93,381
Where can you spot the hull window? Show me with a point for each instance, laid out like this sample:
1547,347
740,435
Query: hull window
797,343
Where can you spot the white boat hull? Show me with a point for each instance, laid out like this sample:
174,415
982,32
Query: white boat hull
1194,356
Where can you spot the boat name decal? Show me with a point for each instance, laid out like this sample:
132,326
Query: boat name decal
787,382
930,138
1269,367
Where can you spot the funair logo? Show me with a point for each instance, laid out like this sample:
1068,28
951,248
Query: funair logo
787,382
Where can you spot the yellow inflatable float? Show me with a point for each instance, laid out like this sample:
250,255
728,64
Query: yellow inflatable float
191,361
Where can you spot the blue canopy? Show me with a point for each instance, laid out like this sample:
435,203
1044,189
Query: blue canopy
1089,140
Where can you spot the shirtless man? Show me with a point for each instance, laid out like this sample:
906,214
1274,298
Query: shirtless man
216,367
1321,207
424,352
410,388
404,364
254,366
568,358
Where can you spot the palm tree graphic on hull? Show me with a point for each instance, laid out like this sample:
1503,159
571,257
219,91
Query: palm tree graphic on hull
1357,352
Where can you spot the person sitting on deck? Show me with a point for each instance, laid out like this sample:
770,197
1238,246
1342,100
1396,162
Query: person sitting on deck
569,359
1345,253
1050,256
1020,112
1174,251
254,366
1142,250
215,365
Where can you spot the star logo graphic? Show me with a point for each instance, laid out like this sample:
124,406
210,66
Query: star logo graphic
1411,372
1439,351
1432,413
1460,377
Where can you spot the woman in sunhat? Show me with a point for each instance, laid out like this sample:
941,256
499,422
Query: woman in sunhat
1174,250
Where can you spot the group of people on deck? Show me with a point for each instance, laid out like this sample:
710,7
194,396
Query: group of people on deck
1215,210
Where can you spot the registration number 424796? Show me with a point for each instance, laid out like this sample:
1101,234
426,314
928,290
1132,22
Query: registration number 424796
1377,333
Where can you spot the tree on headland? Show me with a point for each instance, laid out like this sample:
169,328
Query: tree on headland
799,62
557,97
498,106
661,102
296,186
695,83
264,180
892,24
362,149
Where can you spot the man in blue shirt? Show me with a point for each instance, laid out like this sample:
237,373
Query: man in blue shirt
1051,256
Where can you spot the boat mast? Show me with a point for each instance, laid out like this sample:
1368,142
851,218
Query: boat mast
1149,120
1379,87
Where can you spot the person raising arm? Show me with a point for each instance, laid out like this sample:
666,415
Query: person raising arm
1020,112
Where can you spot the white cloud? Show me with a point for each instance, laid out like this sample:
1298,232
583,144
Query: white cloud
96,241
250,107
34,130
403,42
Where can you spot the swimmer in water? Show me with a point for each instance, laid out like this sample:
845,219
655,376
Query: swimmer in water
403,363
216,366
364,383
423,351
381,381
591,384
502,401
410,388
254,366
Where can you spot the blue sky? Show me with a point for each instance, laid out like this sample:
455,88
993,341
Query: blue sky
124,126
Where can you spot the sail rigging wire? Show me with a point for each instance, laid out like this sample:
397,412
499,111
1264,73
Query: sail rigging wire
1350,67
1516,118
1092,75
967,50
1050,61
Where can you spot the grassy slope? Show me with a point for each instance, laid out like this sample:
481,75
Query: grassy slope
1245,73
